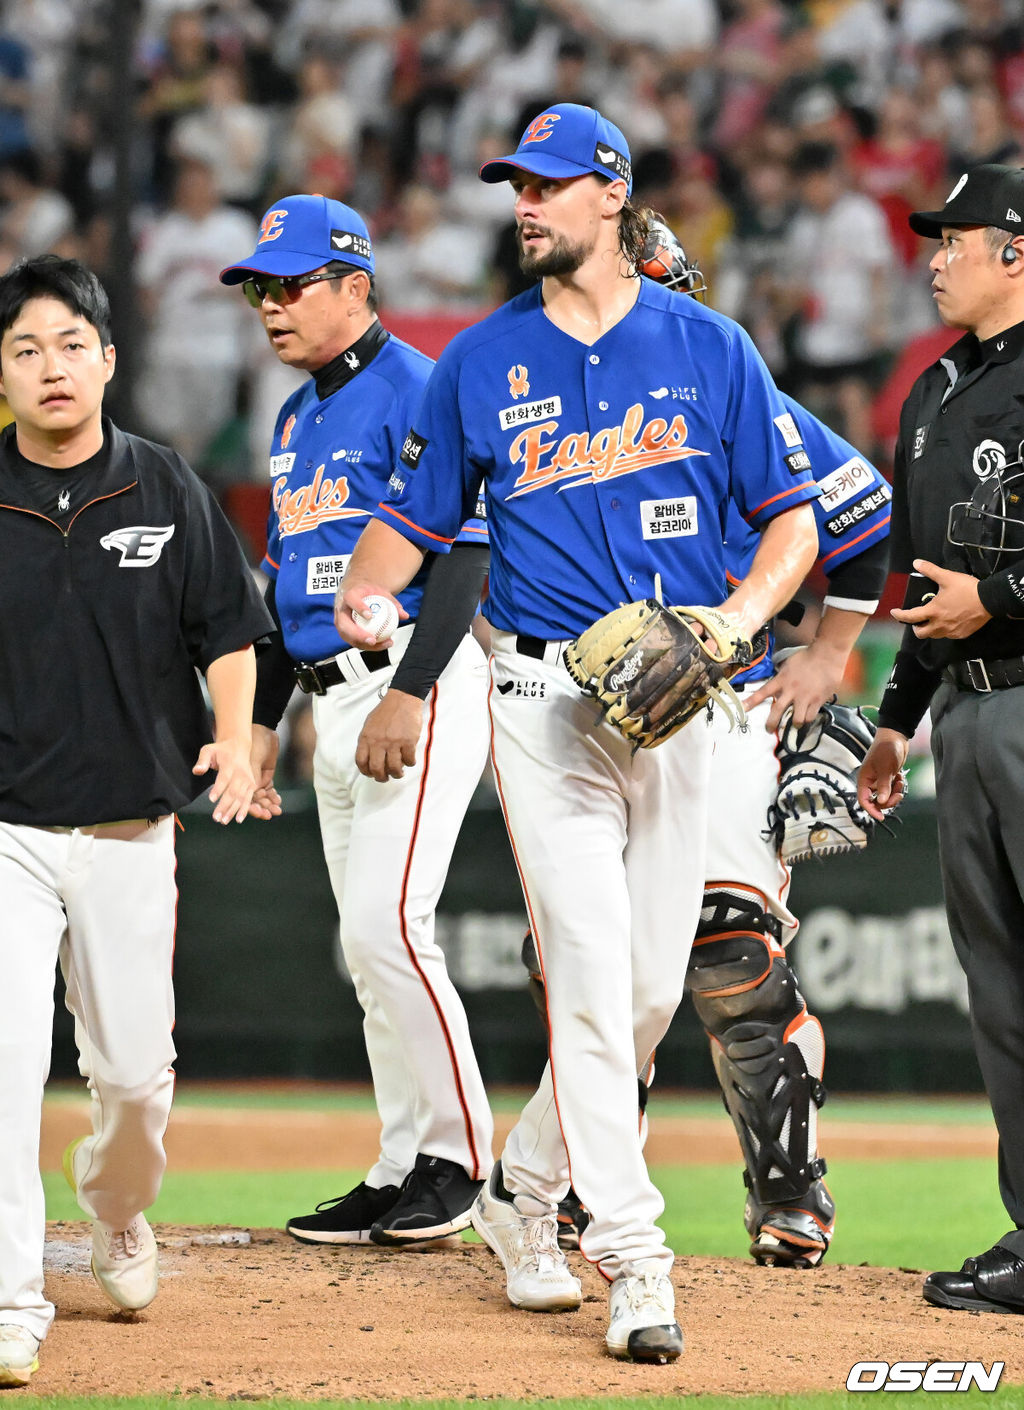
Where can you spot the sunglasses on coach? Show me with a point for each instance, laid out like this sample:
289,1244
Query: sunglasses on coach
287,290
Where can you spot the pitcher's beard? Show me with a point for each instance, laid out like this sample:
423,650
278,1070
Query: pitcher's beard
562,258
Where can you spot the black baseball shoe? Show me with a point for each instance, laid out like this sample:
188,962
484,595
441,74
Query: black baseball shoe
992,1282
345,1220
572,1220
794,1233
435,1200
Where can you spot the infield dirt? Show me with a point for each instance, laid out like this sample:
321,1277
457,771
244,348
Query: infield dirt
273,1318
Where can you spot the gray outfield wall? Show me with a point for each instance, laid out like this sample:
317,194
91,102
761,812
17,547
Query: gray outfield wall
261,989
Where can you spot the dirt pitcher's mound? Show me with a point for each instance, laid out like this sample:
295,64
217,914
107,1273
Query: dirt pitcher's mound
259,1315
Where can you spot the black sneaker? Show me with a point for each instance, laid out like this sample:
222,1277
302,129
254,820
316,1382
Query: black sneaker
572,1220
435,1200
345,1220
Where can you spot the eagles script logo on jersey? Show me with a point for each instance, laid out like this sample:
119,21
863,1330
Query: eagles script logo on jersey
140,545
584,459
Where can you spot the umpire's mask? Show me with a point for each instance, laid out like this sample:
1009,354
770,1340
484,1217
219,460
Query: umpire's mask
990,526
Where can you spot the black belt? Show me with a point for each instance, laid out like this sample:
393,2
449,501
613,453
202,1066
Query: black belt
986,676
317,678
531,646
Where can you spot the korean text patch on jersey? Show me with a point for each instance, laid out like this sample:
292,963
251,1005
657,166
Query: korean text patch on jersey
412,448
282,464
788,430
855,513
325,574
841,484
510,416
668,518
798,461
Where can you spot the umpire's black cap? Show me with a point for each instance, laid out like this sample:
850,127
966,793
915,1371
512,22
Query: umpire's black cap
985,195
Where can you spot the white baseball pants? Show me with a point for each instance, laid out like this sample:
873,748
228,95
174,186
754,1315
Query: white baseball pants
610,847
745,778
388,846
103,901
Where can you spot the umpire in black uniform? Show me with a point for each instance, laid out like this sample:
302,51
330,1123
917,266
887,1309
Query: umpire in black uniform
956,529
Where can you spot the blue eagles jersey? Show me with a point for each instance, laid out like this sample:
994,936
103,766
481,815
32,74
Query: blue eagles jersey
603,466
852,512
330,462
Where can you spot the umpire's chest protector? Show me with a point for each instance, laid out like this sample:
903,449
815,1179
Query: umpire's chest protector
957,427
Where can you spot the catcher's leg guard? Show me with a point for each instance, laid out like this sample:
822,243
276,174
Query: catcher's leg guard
768,1054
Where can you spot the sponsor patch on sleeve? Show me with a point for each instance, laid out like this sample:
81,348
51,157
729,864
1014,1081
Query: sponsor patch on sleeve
324,574
396,485
844,482
787,429
855,514
669,518
412,449
798,460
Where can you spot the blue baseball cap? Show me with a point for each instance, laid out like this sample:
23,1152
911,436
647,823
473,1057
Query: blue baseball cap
303,233
566,140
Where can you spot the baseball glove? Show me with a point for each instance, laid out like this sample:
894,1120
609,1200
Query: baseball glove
816,812
654,667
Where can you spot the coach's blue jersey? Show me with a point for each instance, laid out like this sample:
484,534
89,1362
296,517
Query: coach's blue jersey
851,513
330,462
603,466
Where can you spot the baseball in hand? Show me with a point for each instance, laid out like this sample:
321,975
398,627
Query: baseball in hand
380,617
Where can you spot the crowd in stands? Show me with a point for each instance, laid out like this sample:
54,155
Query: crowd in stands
784,140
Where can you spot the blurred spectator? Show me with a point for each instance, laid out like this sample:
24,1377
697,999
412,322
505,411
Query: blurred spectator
15,93
940,102
440,50
228,133
837,263
176,85
746,287
33,216
319,142
429,262
682,30
570,83
194,353
989,136
900,168
359,35
748,59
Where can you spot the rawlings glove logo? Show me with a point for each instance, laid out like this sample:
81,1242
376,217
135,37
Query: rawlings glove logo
628,671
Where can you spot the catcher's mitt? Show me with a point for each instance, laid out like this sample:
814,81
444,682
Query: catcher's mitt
654,667
816,812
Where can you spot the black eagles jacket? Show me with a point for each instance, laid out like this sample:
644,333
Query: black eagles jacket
103,624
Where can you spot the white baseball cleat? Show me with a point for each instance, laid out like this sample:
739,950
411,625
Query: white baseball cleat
643,1324
19,1355
536,1271
124,1262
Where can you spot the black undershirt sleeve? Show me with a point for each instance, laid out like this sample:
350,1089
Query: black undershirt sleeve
862,579
275,672
909,689
450,599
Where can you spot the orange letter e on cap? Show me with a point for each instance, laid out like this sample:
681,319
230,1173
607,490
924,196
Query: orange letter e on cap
271,226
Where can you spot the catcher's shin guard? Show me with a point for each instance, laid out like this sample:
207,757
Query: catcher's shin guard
769,1055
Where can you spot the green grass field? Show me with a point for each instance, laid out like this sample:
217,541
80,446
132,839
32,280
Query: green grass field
886,1218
